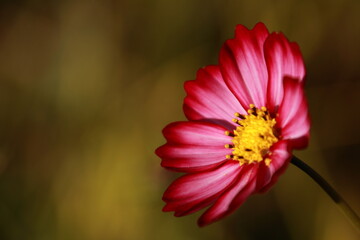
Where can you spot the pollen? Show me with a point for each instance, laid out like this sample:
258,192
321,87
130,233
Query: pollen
253,137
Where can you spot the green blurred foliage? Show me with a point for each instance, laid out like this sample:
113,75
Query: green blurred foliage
87,86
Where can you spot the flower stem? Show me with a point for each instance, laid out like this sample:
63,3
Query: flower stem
336,197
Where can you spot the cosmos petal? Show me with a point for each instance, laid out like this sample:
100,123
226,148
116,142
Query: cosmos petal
209,99
268,175
193,146
230,200
283,58
192,192
196,133
293,114
243,67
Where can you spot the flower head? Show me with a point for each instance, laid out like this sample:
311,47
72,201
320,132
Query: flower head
245,116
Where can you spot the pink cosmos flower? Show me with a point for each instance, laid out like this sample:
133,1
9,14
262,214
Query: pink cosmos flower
245,116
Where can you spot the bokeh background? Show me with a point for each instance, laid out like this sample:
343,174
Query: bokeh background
87,86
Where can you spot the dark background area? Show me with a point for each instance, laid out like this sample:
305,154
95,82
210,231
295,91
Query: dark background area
87,86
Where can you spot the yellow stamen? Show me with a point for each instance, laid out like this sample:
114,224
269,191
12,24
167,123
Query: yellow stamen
267,161
253,137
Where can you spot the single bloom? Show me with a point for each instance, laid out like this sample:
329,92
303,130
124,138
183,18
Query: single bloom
245,116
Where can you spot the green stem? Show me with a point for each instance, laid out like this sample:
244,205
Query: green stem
349,212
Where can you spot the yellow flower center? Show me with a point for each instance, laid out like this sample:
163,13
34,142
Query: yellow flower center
253,137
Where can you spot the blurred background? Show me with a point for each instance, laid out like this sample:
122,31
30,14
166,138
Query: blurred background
87,86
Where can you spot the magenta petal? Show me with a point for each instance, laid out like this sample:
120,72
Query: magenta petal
191,158
193,146
283,58
243,67
196,133
293,114
268,175
192,192
230,200
208,98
